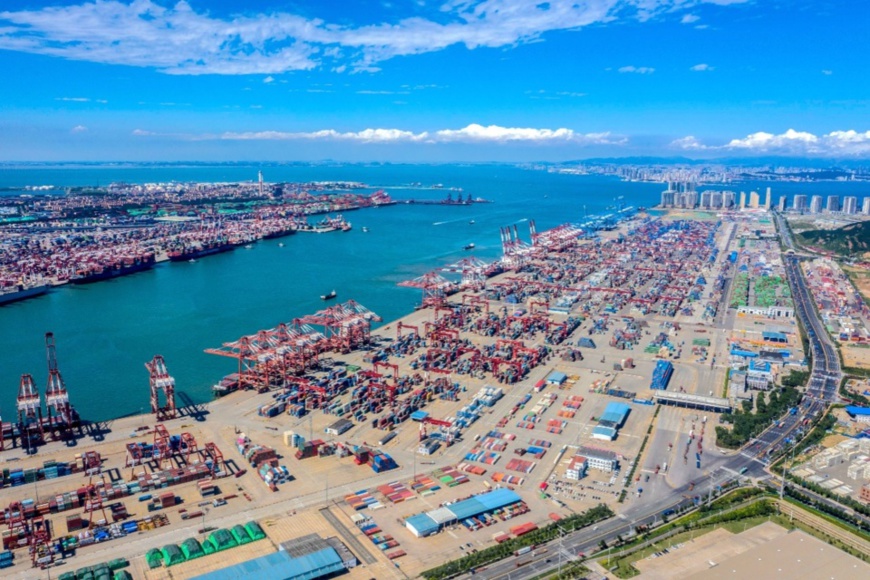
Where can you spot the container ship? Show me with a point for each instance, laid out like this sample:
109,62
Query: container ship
193,252
99,272
18,292
280,233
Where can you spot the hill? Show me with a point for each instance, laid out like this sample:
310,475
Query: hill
851,240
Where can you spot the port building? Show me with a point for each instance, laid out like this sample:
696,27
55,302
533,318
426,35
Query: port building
610,422
428,523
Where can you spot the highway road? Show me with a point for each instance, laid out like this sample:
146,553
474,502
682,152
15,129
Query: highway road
821,391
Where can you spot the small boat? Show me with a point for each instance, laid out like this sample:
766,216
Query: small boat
365,230
192,260
469,246
471,222
329,296
280,244
249,246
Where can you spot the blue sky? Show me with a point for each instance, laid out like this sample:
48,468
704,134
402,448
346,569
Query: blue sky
449,80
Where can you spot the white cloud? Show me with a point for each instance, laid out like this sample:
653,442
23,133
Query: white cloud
269,79
827,72
836,143
473,133
689,143
177,39
641,70
79,129
365,136
143,133
701,67
689,18
73,99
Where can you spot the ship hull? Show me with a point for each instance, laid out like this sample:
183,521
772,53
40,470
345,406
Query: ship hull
24,294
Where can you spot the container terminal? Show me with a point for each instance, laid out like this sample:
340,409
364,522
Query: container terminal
518,393
87,237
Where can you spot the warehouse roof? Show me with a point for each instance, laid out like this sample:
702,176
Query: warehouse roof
422,524
855,410
281,566
616,413
557,377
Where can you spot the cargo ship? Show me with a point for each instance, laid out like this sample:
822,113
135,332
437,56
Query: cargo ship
21,292
280,233
194,252
98,273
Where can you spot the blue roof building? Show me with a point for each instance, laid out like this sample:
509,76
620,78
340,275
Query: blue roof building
430,522
859,413
281,566
556,378
616,413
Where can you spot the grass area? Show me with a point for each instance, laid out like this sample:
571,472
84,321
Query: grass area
847,241
830,519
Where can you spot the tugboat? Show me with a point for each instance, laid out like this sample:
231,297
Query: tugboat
469,246
329,296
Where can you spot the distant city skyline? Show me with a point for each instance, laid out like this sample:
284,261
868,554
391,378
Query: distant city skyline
414,81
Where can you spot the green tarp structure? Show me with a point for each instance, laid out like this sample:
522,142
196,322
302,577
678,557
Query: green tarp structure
118,563
241,534
123,575
154,558
172,555
255,531
192,549
222,540
208,547
67,576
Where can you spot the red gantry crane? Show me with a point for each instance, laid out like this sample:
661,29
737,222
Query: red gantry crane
434,286
60,413
161,381
29,413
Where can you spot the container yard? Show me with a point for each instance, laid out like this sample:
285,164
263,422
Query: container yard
505,374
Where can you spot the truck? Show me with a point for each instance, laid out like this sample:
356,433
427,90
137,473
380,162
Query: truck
522,551
793,411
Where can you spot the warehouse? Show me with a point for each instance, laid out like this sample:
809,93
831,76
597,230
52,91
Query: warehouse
428,523
610,422
282,566
860,414
339,427
556,378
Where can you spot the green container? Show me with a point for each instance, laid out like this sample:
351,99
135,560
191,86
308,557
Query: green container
208,547
67,576
123,575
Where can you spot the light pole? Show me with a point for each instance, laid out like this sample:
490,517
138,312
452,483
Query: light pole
204,512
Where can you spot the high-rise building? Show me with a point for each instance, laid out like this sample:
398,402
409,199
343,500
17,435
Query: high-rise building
781,203
754,199
850,204
767,199
706,199
729,199
668,197
799,203
742,200
865,209
833,203
716,200
260,179
816,204
691,198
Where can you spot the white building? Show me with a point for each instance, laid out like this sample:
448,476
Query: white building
600,458
833,204
816,204
799,203
850,204
577,468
